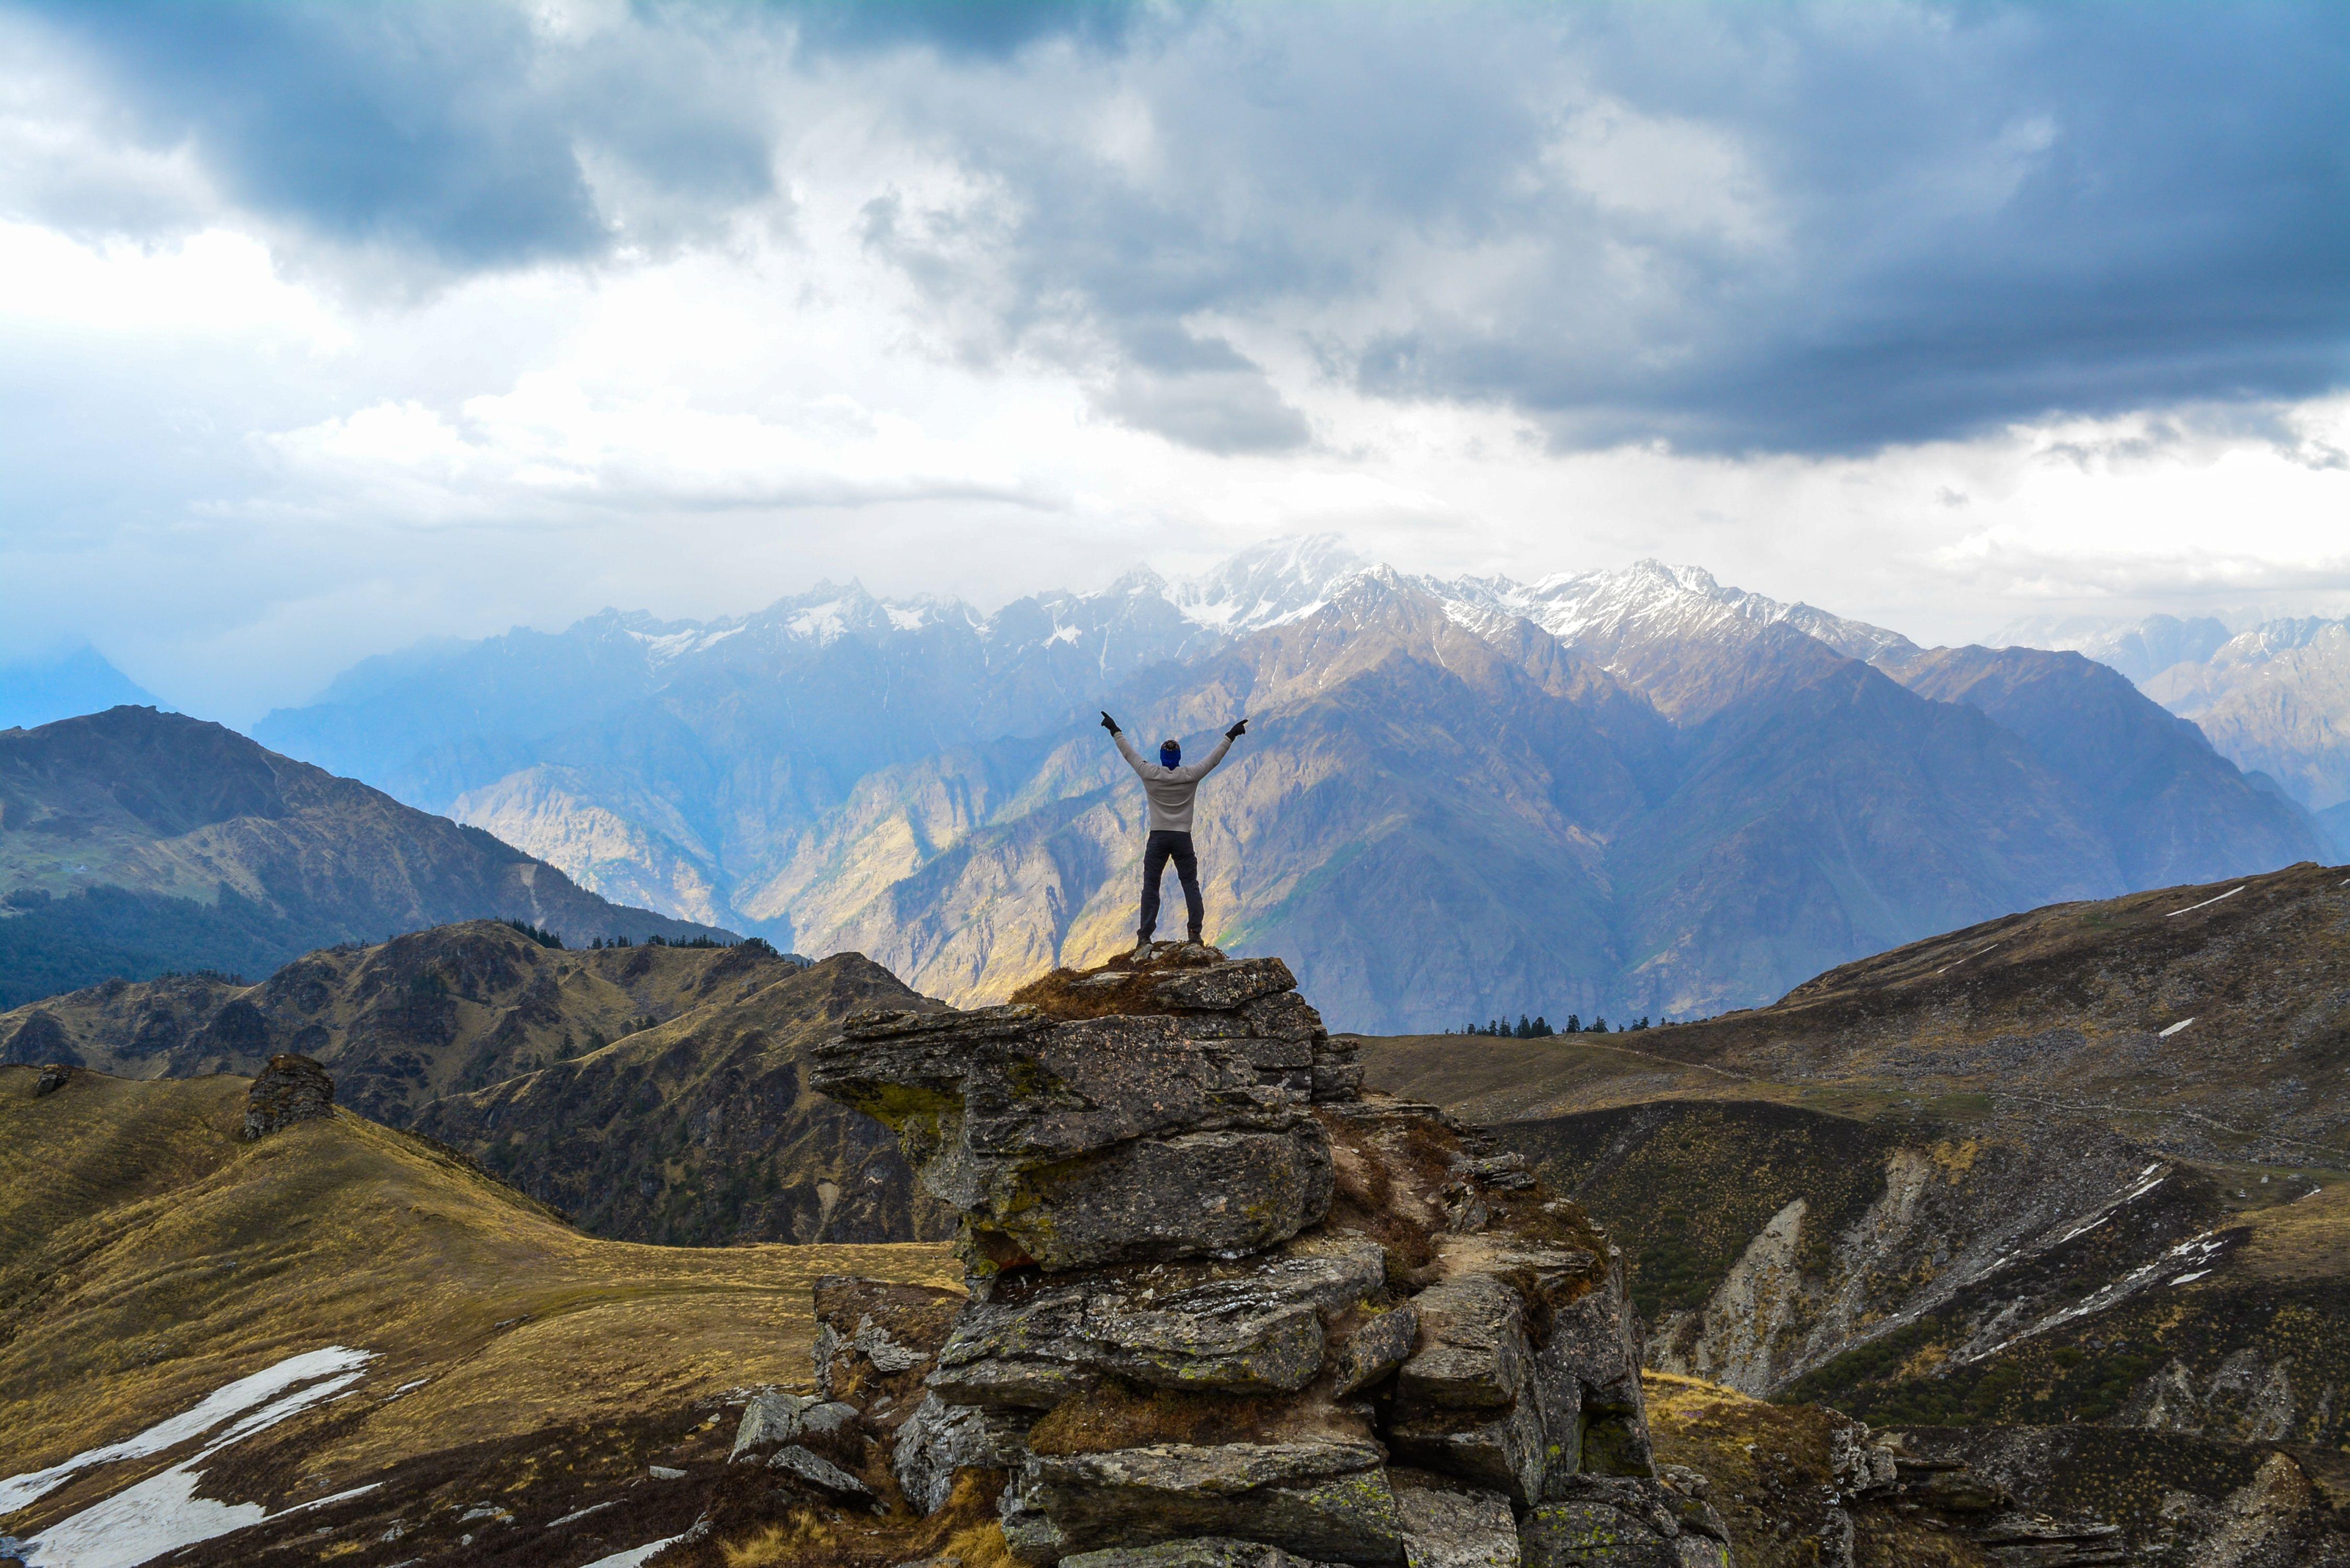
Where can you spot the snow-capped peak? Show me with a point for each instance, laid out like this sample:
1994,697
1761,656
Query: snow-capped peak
1267,584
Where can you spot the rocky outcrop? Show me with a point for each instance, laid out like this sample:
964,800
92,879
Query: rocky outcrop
50,1079
290,1089
1111,1138
38,1037
2186,1501
1224,1308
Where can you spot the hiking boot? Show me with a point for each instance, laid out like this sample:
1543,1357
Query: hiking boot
1142,944
1194,938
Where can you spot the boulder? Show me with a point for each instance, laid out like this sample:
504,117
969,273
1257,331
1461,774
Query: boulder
1505,1450
1455,1527
819,1473
1478,1400
1285,1015
290,1089
1253,1329
939,1439
1202,1193
50,1079
1143,1159
1613,1522
1473,1350
1322,1501
1591,1364
772,1417
1225,986
1337,1082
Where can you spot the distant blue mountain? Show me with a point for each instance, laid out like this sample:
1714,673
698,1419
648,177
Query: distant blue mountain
2336,821
38,692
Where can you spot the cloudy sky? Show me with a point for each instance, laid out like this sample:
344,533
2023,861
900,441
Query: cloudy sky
324,328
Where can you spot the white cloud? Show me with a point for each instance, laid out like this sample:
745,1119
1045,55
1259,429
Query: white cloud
940,349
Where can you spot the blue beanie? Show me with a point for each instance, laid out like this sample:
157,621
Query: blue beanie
1170,753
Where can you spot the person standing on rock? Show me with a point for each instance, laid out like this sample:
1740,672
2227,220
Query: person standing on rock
1171,788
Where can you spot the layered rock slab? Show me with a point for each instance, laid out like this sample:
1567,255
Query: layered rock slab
1073,1145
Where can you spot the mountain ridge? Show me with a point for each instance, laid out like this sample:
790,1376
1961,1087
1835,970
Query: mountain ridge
2273,697
133,841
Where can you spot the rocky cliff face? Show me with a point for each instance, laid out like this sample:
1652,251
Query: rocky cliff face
1223,1308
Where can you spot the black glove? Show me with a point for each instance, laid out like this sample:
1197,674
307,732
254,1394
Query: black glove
1237,730
1109,723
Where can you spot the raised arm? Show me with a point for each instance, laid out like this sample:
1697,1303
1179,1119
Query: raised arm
1202,769
1126,748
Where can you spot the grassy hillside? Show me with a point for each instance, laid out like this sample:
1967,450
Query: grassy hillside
148,1257
2088,1166
651,1093
2212,1020
398,1022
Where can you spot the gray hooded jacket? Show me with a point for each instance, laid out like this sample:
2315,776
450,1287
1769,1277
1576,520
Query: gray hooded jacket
1170,789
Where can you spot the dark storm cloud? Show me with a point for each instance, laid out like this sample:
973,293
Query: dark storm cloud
2178,226
1955,218
1737,227
430,130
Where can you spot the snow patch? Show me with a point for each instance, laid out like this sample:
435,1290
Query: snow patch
20,1491
634,1555
2175,1027
823,622
2188,1278
2206,903
163,1513
668,646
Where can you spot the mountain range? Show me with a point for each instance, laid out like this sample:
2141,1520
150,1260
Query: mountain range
2274,696
1631,792
133,841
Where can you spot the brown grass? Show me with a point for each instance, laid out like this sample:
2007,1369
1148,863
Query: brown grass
1059,998
148,1257
1118,1416
2307,1239
965,1529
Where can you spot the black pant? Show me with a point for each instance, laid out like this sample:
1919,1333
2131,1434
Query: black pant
1162,847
